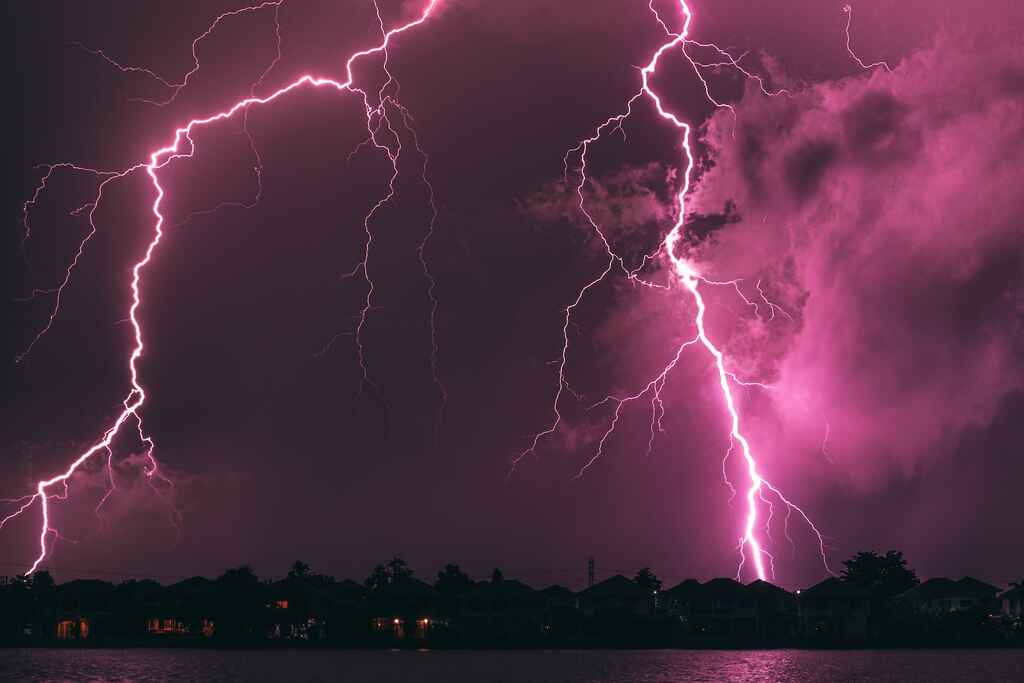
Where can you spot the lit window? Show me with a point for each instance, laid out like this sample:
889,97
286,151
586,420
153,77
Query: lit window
66,629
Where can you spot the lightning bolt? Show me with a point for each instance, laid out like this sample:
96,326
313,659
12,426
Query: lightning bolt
182,146
384,136
686,275
848,11
173,87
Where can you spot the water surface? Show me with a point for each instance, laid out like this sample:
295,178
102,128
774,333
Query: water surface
560,666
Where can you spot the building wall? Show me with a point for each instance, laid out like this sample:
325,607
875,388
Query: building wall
835,618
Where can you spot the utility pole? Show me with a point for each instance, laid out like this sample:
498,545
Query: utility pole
590,571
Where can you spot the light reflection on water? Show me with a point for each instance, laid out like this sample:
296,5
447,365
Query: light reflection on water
561,666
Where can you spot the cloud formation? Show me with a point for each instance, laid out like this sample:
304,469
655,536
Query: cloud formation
884,211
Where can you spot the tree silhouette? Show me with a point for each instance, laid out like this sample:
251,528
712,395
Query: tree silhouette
385,574
43,590
452,581
398,569
884,575
240,605
299,570
17,609
42,583
646,578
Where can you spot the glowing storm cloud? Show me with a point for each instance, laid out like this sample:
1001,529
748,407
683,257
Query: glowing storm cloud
687,275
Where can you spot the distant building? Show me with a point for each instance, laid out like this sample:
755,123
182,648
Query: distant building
564,620
184,609
406,608
720,607
776,610
401,611
505,608
347,614
559,596
1011,602
678,600
834,611
727,608
616,594
82,606
941,596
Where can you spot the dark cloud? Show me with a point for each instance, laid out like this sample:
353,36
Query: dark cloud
630,204
805,166
873,128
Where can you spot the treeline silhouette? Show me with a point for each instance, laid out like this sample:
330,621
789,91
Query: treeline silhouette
876,601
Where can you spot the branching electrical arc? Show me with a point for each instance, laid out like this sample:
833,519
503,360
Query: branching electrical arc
387,120
687,276
378,122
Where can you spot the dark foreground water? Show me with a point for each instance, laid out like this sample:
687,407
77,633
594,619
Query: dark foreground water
592,666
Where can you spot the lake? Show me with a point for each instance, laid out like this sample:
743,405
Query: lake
555,666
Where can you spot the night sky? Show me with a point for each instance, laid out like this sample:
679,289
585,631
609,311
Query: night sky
882,211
